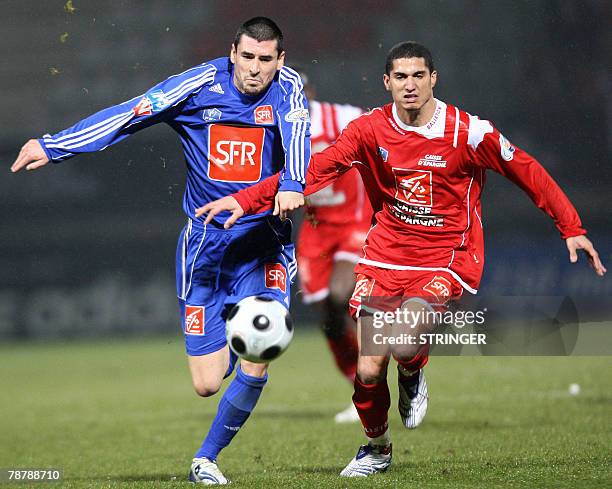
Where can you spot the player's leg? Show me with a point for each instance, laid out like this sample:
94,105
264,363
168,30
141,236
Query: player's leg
337,325
339,328
262,277
210,361
372,401
371,395
413,393
235,407
426,294
207,374
201,307
326,285
208,371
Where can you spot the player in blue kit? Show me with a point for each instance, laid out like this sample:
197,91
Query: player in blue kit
240,119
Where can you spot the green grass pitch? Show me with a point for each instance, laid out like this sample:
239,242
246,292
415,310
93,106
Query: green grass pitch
123,414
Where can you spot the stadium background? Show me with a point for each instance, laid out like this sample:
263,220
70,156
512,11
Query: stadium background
87,247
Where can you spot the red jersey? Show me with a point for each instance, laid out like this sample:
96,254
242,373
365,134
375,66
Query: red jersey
344,200
425,185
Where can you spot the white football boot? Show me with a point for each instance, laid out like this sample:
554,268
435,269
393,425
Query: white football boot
204,471
348,415
369,460
413,398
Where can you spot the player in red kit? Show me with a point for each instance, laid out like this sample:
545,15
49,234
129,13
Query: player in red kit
331,240
423,163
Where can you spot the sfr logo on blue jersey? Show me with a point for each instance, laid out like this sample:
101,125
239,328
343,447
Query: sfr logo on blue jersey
235,153
263,115
276,276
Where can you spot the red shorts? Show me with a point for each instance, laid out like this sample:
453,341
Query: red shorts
438,288
318,247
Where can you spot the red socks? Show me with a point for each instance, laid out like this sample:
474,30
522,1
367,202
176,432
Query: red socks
372,402
346,351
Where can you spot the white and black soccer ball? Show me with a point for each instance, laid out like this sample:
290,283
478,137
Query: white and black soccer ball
259,329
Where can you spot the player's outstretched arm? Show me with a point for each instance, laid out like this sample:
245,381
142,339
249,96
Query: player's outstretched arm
213,208
31,156
576,243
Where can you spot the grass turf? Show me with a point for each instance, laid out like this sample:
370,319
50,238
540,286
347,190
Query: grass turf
122,414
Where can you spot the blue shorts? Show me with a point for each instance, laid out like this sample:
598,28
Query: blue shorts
216,268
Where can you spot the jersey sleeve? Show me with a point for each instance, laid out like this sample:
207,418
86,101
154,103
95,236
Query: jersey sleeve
109,126
294,127
324,168
492,150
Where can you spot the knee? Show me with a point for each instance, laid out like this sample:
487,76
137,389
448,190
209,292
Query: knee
340,292
206,387
405,353
372,370
335,316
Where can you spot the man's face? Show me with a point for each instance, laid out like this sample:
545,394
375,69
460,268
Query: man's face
255,64
410,83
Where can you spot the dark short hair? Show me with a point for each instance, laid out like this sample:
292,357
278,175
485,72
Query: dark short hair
260,29
408,49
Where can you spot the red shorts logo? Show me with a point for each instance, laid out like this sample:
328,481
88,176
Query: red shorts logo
144,107
235,153
276,277
413,186
194,320
263,115
439,287
363,288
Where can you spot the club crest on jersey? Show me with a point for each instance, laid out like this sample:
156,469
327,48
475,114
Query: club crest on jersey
507,150
194,320
210,115
263,115
276,276
384,154
439,287
413,187
298,115
235,153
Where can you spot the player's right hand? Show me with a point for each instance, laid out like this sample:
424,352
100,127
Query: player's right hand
287,201
225,204
32,156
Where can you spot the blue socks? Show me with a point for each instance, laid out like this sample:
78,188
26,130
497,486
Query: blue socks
234,409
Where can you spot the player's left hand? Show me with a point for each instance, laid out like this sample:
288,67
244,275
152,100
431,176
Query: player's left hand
576,243
225,204
287,201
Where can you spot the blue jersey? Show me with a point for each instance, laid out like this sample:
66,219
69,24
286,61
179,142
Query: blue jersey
230,140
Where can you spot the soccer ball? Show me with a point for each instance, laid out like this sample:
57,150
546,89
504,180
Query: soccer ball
259,329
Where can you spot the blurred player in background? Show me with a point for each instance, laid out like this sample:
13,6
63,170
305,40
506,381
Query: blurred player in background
331,239
239,119
423,163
